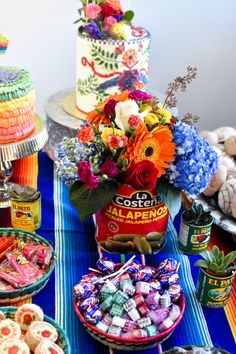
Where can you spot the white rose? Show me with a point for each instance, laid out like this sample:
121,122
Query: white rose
126,31
123,112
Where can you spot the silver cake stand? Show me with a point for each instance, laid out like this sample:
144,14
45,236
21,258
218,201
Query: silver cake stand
14,151
59,122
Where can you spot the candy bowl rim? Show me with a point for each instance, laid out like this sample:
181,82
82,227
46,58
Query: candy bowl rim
60,330
108,339
13,296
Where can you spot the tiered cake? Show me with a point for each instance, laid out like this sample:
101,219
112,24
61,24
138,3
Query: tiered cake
17,104
107,66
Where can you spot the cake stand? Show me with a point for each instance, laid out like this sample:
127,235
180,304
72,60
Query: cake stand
59,122
14,151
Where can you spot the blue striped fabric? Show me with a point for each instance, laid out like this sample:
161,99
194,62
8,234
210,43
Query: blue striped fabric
77,251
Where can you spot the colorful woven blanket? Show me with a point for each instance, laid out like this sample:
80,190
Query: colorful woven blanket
77,250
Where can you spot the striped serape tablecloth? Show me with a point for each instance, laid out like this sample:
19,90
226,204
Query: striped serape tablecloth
77,251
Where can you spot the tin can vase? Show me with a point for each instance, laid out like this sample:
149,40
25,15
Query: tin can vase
213,290
134,222
193,238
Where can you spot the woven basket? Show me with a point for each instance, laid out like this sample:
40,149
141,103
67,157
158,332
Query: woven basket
189,348
62,341
13,296
129,344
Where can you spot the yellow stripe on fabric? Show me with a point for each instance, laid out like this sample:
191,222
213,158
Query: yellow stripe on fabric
25,171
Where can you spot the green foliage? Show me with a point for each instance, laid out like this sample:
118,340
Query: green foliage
216,261
89,85
109,60
88,201
196,215
170,196
129,15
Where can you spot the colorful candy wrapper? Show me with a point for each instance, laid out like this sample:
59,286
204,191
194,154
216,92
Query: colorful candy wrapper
144,274
169,265
93,315
4,41
106,266
169,279
88,302
175,291
8,273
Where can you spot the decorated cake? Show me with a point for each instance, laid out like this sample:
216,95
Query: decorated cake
112,55
17,104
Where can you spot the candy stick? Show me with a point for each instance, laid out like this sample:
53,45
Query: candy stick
95,270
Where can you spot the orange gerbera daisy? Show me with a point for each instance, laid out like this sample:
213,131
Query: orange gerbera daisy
94,117
155,146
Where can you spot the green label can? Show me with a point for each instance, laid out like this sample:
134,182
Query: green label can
213,291
192,238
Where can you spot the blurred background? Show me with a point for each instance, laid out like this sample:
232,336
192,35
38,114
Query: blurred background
199,33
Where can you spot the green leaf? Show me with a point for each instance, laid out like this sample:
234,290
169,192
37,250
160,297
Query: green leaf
230,269
81,28
229,258
213,267
111,66
201,263
170,196
129,15
88,201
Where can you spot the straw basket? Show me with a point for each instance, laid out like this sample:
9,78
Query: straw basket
62,341
129,344
12,296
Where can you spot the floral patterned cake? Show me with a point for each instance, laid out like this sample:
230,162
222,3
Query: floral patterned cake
112,54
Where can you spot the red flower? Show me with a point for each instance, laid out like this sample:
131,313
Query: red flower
142,175
117,141
134,121
110,10
86,175
109,168
86,134
109,108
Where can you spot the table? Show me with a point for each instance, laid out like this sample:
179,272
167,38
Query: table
77,250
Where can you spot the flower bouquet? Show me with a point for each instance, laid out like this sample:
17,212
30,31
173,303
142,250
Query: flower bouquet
132,154
100,19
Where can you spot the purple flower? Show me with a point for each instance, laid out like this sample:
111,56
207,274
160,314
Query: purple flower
128,80
109,108
86,175
93,30
138,95
119,17
109,168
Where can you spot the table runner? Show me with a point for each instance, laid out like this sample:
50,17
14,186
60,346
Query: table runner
77,250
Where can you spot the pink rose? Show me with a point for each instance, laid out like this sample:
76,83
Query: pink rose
109,22
92,11
87,175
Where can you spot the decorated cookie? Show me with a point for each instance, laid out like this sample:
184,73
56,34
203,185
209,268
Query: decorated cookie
2,316
39,331
230,146
224,133
28,313
9,329
233,205
216,182
14,346
226,193
47,347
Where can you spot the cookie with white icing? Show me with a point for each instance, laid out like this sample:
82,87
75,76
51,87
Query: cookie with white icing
230,146
224,133
217,181
225,195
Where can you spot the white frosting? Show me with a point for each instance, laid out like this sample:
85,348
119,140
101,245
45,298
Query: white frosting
101,63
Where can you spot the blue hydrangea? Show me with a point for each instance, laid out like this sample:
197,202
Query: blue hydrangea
70,152
195,160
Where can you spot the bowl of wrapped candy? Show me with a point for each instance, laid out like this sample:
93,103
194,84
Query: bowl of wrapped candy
130,306
26,329
26,263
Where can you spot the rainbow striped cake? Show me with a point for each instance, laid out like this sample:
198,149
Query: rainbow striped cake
17,104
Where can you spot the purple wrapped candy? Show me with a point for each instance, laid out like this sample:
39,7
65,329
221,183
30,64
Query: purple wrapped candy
169,265
84,290
159,315
169,279
107,319
144,274
106,266
133,267
88,302
89,278
175,292
93,315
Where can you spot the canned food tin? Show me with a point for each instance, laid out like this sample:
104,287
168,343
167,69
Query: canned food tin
25,208
194,239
